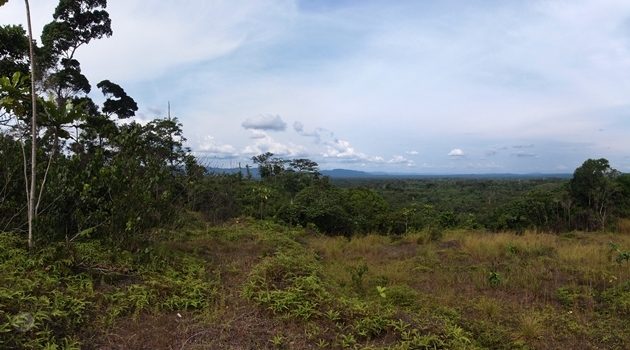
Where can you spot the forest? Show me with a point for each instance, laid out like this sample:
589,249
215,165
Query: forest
114,235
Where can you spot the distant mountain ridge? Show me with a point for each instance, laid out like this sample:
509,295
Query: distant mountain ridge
357,174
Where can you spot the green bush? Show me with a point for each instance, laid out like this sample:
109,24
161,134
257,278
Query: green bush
287,284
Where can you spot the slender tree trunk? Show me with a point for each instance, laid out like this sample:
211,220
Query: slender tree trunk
31,199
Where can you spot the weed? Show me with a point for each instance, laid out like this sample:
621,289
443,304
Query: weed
347,341
287,284
370,326
277,341
323,344
618,298
494,278
381,291
623,256
512,249
357,273
333,315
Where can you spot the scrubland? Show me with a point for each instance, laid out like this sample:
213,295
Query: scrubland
255,284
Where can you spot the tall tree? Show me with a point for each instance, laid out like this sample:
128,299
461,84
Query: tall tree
594,188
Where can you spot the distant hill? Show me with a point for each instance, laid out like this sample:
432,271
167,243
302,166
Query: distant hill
357,174
346,173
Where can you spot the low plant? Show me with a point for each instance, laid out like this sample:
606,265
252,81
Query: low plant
494,278
277,341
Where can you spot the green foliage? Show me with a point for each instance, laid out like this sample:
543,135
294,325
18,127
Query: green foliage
322,205
594,188
402,296
494,278
357,275
618,298
619,255
49,296
287,284
277,341
107,179
40,304
367,210
13,50
381,291
566,296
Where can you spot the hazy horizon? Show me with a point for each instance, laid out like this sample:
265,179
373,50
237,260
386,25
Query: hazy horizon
449,87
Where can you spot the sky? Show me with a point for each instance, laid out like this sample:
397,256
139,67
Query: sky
428,87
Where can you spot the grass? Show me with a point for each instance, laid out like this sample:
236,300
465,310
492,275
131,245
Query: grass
252,284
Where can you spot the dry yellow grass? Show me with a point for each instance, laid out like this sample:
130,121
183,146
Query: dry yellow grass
534,288
624,226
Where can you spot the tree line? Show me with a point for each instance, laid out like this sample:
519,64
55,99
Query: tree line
593,199
99,173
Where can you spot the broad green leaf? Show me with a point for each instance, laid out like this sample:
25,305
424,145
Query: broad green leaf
15,79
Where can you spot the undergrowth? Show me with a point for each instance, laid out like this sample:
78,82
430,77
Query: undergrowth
49,297
291,285
256,284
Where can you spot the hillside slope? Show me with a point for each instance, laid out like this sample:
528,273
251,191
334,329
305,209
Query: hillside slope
257,285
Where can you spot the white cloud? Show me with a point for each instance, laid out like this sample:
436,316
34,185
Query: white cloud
265,143
210,147
476,74
265,122
412,153
456,152
400,160
342,150
258,134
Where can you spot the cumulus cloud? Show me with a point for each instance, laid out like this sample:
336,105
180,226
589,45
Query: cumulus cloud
342,150
456,152
265,122
412,153
400,160
265,143
210,147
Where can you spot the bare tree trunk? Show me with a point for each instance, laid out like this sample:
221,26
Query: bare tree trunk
31,199
43,185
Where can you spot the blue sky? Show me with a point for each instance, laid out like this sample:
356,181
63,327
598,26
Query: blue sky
404,86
